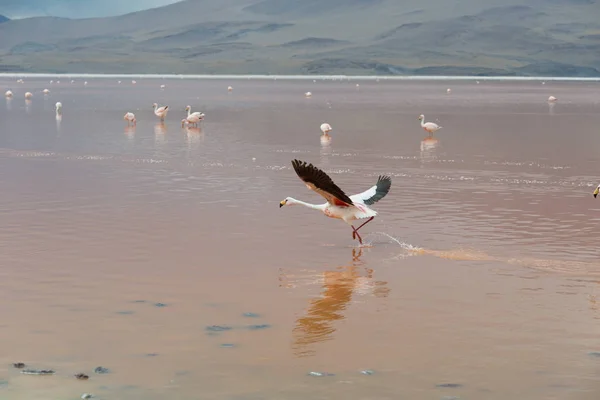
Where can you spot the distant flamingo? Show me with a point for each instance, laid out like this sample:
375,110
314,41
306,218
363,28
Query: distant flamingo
197,113
430,127
229,89
160,112
28,95
58,107
8,93
192,119
552,99
46,91
308,94
326,128
448,90
163,86
133,82
130,118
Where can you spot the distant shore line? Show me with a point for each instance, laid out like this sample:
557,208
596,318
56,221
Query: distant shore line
304,77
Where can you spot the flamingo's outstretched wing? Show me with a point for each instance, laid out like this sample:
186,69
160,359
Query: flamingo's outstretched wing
320,182
375,193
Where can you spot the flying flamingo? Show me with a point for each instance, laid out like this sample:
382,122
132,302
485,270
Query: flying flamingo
197,113
430,127
130,118
326,128
160,112
339,205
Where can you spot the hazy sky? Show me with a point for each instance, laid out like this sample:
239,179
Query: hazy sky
75,8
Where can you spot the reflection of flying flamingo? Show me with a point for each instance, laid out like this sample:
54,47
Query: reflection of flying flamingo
130,118
339,205
339,286
430,127
160,112
326,128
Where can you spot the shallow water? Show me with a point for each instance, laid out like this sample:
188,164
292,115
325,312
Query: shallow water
482,270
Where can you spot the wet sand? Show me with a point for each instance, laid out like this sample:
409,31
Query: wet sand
482,270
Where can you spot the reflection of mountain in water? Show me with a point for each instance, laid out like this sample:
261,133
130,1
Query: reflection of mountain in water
339,286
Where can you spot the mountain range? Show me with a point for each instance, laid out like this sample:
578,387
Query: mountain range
354,37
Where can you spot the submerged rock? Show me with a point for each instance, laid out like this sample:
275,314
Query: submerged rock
126,312
449,385
81,377
87,396
594,353
257,327
315,373
367,372
101,370
38,372
218,328
19,365
227,345
160,305
250,315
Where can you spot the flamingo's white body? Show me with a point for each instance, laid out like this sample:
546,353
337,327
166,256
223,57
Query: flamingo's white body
192,119
326,128
190,113
58,108
429,127
308,94
229,89
339,205
46,91
163,86
8,93
133,82
28,95
130,118
552,99
57,82
160,112
85,83
448,90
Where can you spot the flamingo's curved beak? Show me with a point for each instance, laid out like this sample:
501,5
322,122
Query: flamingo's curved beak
282,203
596,191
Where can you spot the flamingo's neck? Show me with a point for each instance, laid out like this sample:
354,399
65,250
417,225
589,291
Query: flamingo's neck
291,201
423,121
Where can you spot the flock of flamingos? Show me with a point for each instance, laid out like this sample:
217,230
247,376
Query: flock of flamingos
338,205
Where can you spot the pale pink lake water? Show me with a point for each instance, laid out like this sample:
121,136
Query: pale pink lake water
483,268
